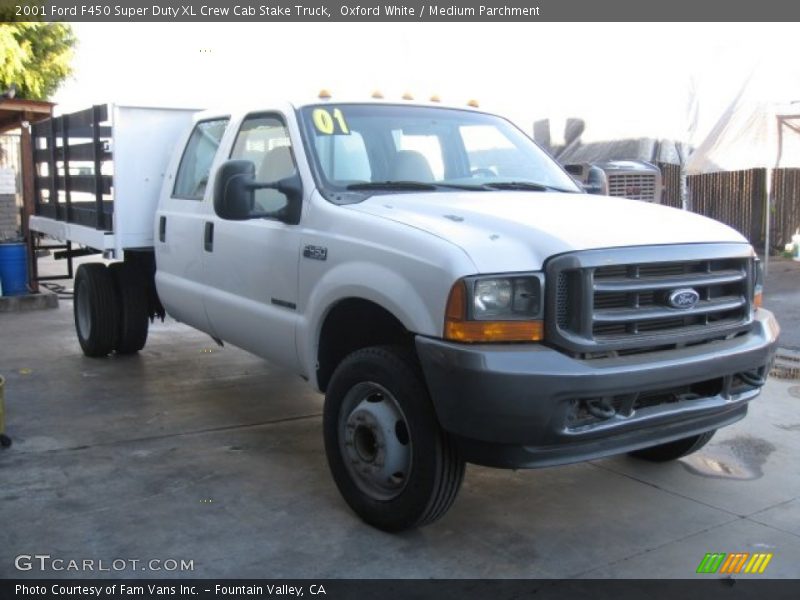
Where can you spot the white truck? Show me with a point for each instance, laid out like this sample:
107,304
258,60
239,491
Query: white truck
448,287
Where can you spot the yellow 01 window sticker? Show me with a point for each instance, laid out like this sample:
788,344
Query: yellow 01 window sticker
328,124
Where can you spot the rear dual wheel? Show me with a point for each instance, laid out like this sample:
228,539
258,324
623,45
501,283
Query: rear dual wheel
96,309
110,309
134,318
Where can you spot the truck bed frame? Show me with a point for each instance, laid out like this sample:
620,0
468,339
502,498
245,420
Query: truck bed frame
99,173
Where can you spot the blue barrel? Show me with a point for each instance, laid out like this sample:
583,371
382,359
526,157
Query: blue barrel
13,268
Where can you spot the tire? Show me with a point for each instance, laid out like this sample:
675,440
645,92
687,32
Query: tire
95,309
676,449
133,321
392,462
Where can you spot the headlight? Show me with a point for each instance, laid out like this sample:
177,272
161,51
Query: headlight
496,309
506,298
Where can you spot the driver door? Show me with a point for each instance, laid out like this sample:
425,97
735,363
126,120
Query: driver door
252,265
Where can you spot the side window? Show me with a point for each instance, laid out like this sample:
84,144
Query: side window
192,177
264,140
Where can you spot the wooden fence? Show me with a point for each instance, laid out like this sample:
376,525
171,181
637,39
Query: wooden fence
736,198
786,214
671,180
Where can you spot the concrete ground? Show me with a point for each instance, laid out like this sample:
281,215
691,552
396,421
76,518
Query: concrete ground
782,295
196,453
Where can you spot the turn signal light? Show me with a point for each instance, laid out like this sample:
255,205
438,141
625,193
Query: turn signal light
494,331
758,281
458,329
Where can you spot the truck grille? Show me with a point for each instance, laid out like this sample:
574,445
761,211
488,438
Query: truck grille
597,305
636,186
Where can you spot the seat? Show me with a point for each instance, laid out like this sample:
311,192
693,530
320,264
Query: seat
277,164
410,165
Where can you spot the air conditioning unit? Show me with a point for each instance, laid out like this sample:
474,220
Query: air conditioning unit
633,179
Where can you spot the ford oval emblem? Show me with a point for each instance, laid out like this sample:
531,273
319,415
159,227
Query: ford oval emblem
683,298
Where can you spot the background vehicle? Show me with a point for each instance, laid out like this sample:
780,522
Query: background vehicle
632,179
451,290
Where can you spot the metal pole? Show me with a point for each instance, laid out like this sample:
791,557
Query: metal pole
768,185
28,199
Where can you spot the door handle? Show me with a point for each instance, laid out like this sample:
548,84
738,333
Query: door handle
208,237
162,229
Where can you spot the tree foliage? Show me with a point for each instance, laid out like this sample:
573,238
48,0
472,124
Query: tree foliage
35,57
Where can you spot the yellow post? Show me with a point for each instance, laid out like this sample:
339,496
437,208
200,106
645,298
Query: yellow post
5,441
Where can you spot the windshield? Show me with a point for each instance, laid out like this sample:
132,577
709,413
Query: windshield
362,149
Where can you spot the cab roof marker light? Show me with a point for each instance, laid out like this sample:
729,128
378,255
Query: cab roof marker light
473,103
377,95
408,96
436,98
324,94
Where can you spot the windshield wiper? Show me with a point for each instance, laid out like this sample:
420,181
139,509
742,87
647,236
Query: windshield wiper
470,187
415,185
527,186
392,185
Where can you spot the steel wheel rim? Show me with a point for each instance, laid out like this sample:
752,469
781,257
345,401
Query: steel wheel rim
82,312
374,441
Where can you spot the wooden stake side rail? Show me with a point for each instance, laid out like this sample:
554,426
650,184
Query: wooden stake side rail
69,155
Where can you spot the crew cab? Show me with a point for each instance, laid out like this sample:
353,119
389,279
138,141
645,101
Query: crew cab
451,290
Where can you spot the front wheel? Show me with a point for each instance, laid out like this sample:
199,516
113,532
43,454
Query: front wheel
390,459
676,449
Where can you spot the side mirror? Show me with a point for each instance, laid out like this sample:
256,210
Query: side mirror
234,193
596,181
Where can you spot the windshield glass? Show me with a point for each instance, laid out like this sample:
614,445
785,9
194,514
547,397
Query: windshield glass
359,149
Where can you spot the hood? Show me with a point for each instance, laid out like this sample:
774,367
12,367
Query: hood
518,231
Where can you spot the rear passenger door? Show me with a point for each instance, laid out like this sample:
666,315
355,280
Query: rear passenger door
252,265
180,222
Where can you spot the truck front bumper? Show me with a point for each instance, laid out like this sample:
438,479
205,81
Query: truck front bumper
529,405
